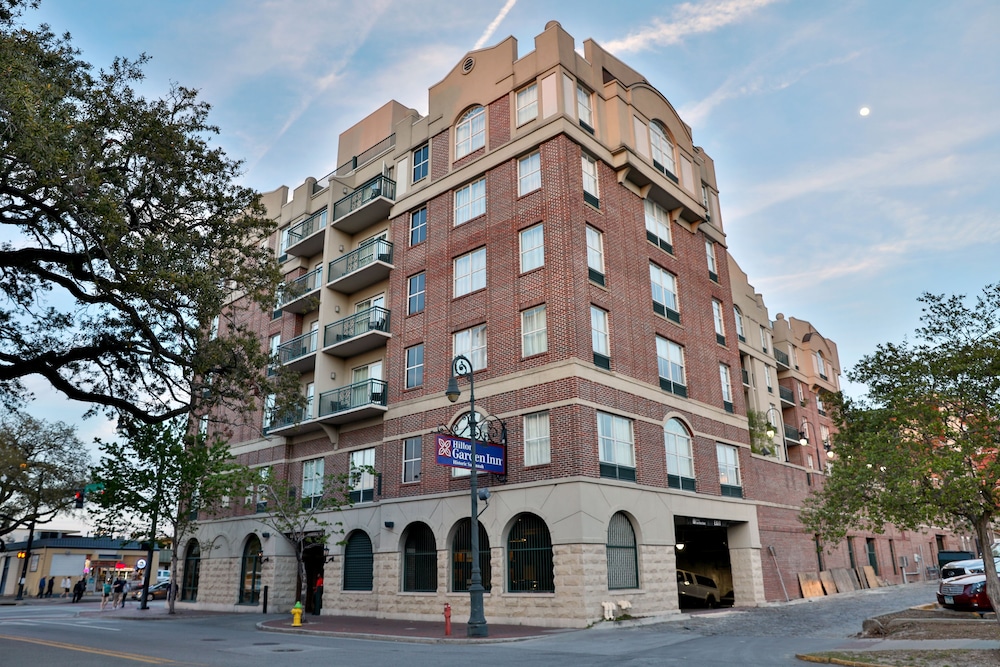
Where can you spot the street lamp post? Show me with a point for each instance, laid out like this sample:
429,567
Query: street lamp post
461,365
771,429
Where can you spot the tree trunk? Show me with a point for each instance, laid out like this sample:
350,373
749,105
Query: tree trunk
985,535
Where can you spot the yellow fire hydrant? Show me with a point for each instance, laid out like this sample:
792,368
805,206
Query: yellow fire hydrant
297,615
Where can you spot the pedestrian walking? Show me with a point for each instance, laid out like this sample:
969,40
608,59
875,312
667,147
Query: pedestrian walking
51,584
117,589
66,583
318,596
126,587
78,590
105,593
41,587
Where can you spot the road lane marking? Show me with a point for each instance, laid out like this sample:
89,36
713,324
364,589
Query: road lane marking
98,651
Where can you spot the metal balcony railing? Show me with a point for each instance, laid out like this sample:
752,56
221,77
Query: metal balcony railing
366,156
372,319
298,347
357,395
289,418
307,227
368,252
792,433
380,186
781,358
301,286
786,394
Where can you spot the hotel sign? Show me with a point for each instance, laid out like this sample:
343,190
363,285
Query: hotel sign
456,452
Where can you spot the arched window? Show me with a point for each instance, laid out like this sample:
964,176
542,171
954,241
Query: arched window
250,572
359,563
419,559
663,149
680,457
470,133
461,557
192,568
529,553
623,560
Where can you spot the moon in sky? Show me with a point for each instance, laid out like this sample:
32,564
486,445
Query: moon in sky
864,111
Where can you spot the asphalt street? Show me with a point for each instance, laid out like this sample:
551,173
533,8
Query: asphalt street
770,635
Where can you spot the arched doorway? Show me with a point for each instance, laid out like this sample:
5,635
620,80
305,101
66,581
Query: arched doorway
192,570
250,572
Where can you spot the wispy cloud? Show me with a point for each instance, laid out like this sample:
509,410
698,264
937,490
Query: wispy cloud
745,84
688,19
491,28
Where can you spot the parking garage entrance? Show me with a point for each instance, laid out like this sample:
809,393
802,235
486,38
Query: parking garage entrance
702,549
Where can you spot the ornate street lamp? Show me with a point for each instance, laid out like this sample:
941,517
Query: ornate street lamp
461,365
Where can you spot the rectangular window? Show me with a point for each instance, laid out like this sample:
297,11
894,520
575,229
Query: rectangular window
713,269
418,226
411,460
532,242
767,379
664,288
472,343
658,226
415,366
595,255
470,272
283,244
536,439
584,108
615,447
670,365
470,201
764,339
738,316
527,104
720,324
729,470
312,481
363,476
591,194
421,159
727,390
534,333
529,173
415,291
600,339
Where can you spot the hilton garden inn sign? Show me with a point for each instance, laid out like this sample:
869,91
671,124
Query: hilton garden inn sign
456,452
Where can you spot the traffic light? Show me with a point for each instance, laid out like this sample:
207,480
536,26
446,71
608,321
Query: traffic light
21,554
78,500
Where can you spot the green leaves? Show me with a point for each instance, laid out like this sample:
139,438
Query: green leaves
921,447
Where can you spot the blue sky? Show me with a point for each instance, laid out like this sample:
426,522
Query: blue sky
838,218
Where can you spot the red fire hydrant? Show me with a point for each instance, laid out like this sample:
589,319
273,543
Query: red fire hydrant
447,620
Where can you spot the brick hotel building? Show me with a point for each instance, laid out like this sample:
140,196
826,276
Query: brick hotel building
551,219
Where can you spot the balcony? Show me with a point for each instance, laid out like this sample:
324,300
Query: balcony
782,359
365,206
299,420
369,264
360,400
306,238
358,333
301,295
792,434
787,397
299,354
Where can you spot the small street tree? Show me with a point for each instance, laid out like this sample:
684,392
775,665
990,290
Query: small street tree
42,466
922,448
159,475
303,518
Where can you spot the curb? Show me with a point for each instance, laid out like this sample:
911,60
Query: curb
408,639
805,657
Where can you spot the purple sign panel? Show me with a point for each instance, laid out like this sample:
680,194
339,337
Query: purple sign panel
456,452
